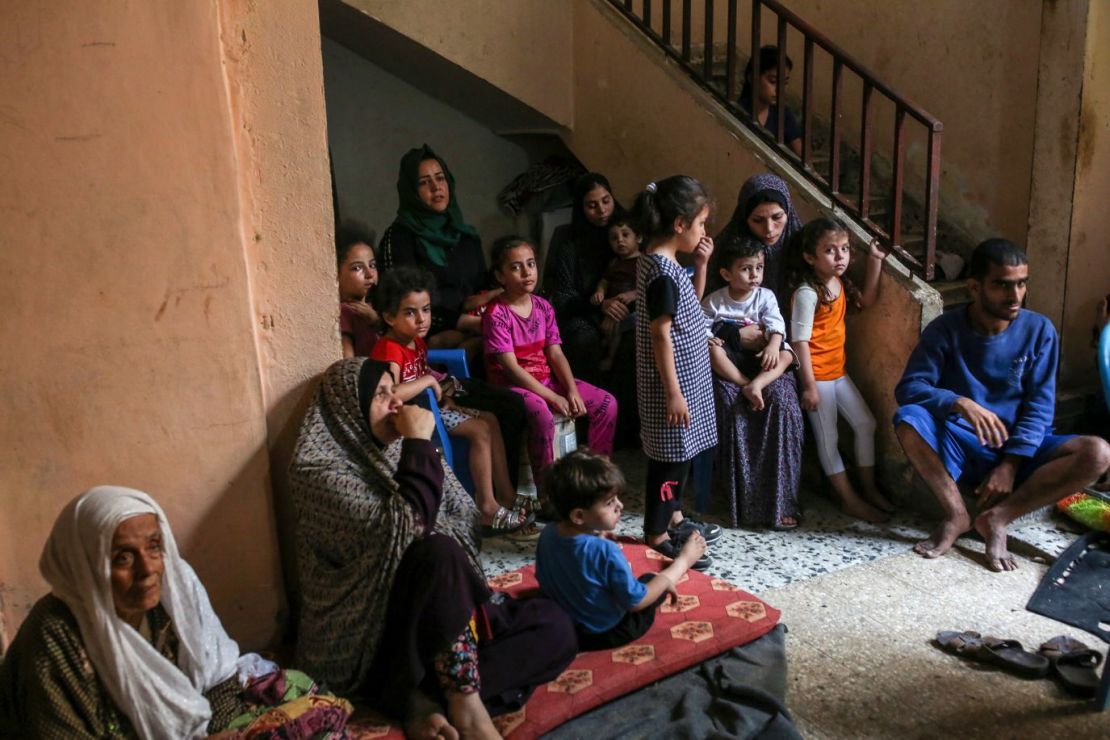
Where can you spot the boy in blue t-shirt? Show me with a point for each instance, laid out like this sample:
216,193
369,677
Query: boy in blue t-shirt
586,573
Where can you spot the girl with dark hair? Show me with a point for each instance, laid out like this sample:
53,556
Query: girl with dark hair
817,260
672,357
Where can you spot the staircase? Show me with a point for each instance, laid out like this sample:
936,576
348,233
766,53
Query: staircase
872,188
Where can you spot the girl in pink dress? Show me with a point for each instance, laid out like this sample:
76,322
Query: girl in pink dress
523,351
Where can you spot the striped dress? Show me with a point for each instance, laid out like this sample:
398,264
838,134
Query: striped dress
691,357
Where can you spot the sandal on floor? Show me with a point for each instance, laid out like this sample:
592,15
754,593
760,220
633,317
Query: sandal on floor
1074,664
1006,654
506,522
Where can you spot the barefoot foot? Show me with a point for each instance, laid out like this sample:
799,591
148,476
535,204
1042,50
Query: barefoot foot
875,497
470,717
431,727
993,530
860,509
940,541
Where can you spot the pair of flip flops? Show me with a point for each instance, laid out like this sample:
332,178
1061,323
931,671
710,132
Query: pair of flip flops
1072,662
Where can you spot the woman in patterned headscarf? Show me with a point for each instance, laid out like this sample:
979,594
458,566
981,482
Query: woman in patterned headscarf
395,605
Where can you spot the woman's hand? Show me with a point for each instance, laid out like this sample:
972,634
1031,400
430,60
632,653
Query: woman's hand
751,337
678,413
811,399
413,422
615,309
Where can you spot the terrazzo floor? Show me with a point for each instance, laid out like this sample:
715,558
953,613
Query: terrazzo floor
861,610
762,560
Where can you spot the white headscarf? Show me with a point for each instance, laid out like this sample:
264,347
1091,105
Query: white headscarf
162,700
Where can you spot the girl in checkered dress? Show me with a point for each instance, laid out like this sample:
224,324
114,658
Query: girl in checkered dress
675,384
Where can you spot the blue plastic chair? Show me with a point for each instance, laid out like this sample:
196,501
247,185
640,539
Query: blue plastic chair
455,452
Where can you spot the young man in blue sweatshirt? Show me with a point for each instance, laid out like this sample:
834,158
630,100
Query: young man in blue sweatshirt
977,401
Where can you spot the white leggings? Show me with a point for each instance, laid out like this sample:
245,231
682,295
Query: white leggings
843,396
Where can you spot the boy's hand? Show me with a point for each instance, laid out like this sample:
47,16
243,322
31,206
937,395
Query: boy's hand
597,297
703,252
769,355
810,399
693,549
678,413
628,297
413,422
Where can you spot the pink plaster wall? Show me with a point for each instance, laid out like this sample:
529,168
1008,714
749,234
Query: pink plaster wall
161,185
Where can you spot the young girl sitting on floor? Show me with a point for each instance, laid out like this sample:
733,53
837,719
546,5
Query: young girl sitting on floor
618,282
403,299
523,351
816,262
358,274
673,378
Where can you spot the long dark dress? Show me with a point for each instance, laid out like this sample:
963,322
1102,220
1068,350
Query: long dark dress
759,453
579,255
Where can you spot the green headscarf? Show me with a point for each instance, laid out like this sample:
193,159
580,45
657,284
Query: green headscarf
435,231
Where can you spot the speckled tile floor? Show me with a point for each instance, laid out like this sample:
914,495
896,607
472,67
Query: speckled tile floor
862,608
761,560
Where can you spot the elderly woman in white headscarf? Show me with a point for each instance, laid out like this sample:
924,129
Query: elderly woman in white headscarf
126,644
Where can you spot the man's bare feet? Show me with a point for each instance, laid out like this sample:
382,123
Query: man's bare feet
942,538
754,393
469,716
992,527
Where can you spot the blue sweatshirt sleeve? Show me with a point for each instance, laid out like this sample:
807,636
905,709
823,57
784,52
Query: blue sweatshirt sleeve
1038,407
920,382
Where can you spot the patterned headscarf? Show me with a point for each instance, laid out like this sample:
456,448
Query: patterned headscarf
353,528
769,187
436,232
160,699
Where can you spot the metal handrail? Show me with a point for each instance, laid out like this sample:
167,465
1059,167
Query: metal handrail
892,236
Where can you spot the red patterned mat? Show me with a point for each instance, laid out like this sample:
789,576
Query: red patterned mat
710,617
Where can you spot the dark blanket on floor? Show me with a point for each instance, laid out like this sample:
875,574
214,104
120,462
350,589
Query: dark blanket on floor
738,694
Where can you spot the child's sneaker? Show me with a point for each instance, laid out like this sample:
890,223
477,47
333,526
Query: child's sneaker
711,532
671,547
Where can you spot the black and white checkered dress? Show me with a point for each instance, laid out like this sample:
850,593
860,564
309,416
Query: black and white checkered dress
691,356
